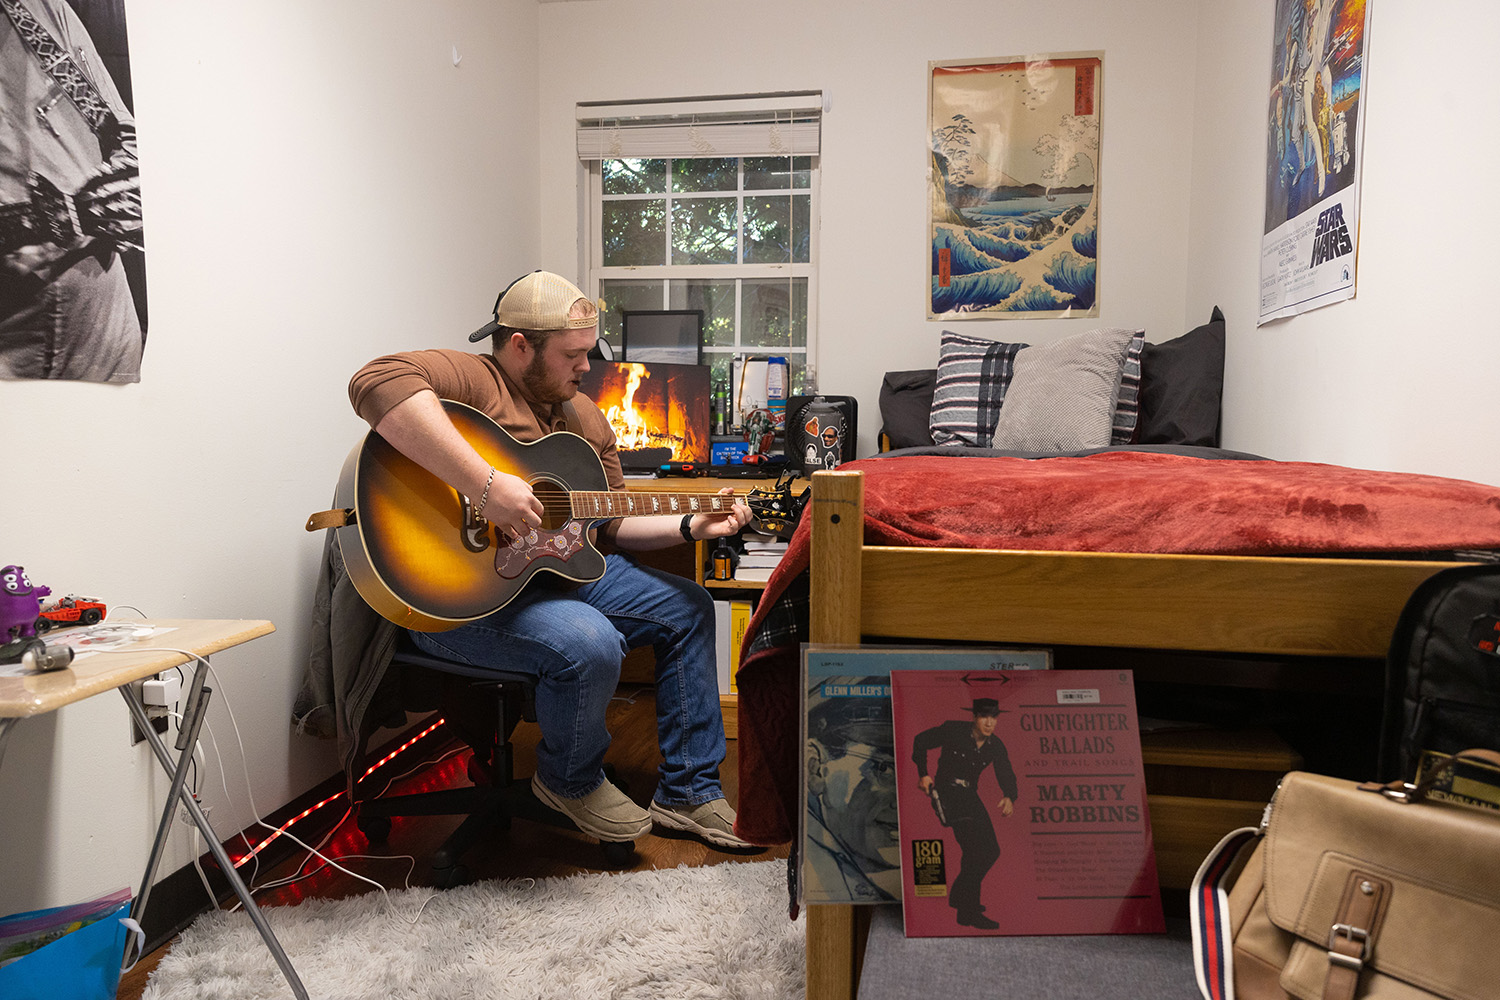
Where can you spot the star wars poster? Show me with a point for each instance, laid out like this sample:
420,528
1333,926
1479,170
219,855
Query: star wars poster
1022,804
1315,111
1013,184
850,848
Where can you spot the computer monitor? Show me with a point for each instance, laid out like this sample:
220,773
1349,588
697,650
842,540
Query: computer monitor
673,336
659,412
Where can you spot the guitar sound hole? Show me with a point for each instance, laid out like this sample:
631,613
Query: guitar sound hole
557,507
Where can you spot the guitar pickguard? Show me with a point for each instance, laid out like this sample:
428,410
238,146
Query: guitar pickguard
513,559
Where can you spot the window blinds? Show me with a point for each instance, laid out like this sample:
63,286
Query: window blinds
754,125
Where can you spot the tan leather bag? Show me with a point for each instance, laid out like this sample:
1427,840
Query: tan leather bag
1349,891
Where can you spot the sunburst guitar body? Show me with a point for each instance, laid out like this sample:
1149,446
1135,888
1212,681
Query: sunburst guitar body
418,556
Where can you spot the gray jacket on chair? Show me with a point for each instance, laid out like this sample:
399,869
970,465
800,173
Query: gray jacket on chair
347,692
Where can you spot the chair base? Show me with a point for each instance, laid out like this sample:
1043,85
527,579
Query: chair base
482,711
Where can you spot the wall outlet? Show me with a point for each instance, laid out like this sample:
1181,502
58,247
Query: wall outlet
156,713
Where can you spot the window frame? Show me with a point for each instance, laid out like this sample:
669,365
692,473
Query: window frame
802,359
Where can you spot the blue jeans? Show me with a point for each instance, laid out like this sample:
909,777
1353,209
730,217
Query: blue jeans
574,640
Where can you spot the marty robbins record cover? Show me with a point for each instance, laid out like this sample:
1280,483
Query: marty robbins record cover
1022,804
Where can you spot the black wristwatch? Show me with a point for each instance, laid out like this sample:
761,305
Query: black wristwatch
687,528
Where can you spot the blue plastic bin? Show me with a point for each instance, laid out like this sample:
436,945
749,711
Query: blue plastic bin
81,965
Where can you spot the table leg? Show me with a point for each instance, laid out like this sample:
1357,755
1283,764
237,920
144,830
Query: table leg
7,726
187,739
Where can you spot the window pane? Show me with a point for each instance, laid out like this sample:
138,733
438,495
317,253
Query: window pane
703,231
634,176
777,229
635,232
715,173
621,295
774,312
801,228
716,299
799,374
777,173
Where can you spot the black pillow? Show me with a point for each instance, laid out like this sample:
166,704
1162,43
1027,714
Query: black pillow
1182,383
905,406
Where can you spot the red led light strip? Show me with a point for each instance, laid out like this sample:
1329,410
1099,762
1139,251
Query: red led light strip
244,858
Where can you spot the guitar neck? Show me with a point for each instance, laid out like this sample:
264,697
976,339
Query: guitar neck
590,505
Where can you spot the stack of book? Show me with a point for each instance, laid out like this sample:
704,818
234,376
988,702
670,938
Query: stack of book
762,554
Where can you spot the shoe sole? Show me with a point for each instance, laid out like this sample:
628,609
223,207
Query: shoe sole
558,804
672,821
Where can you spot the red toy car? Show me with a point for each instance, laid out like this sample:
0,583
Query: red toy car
70,611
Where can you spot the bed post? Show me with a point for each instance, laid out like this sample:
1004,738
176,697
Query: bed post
834,579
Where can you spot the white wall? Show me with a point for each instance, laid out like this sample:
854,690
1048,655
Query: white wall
321,185
871,60
1402,376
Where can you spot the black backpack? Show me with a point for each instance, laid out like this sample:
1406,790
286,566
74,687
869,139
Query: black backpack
1443,671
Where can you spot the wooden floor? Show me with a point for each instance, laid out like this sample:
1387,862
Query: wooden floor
526,850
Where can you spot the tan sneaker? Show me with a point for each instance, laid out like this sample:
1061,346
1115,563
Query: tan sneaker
606,812
712,821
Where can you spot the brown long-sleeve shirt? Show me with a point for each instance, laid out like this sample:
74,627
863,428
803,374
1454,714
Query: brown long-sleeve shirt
478,381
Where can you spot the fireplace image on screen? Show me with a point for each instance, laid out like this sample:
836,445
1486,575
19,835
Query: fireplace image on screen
660,412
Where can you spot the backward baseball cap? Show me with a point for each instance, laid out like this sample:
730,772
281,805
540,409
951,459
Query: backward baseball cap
540,300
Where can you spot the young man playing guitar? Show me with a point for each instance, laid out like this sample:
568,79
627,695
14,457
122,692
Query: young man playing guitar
572,639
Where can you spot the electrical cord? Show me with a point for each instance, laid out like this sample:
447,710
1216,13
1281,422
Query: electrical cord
197,834
347,813
249,792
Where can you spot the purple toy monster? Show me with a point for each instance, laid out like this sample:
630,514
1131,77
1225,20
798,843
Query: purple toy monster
20,603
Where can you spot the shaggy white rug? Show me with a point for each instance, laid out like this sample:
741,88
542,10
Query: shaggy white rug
680,934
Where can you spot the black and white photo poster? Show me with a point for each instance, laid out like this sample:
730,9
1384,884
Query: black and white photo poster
72,276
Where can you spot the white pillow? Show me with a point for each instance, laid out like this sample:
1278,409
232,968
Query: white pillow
1062,396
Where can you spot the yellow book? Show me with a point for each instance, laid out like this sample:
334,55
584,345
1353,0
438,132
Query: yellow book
739,622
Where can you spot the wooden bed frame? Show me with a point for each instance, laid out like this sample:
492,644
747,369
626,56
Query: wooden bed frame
1223,604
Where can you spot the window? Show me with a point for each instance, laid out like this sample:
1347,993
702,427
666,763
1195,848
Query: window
731,235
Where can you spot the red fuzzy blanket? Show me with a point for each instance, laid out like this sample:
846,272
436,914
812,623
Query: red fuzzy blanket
1109,502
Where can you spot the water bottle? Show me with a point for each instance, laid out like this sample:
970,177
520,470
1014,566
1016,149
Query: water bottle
778,383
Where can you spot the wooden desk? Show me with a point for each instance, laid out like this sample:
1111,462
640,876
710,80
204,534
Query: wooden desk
117,668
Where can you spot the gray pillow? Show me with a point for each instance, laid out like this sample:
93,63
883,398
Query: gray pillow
1062,396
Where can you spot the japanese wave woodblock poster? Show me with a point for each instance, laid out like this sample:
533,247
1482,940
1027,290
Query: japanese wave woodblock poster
1315,113
1022,804
1014,187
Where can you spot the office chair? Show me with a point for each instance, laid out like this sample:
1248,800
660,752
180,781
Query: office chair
483,708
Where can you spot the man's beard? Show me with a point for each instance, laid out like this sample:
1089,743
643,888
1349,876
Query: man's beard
534,380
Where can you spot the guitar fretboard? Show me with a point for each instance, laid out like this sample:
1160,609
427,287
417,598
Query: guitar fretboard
611,504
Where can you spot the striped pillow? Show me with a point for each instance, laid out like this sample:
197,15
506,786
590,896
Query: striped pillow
1128,406
972,376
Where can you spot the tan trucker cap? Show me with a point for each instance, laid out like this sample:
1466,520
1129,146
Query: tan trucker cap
540,300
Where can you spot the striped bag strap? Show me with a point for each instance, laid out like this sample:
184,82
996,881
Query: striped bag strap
1208,908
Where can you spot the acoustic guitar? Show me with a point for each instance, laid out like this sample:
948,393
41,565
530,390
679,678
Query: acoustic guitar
417,554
